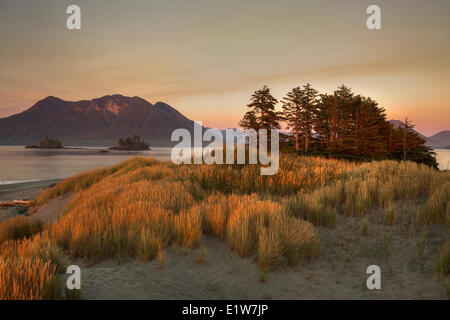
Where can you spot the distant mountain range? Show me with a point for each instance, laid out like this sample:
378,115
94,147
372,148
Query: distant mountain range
439,140
94,122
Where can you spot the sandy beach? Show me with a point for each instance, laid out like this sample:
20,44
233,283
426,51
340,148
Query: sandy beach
21,191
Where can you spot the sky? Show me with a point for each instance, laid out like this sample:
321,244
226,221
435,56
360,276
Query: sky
206,57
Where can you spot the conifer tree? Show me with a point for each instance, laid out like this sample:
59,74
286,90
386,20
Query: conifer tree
292,113
300,109
262,113
345,125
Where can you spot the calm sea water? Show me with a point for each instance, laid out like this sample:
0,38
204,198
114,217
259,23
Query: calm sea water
18,164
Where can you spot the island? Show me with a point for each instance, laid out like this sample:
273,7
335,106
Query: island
133,143
47,143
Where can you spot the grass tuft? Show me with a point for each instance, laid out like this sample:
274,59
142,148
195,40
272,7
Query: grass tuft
19,227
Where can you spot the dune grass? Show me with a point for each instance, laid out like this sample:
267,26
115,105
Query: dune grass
27,278
84,180
140,206
437,208
19,227
29,267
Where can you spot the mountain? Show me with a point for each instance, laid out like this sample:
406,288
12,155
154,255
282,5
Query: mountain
398,123
439,140
94,122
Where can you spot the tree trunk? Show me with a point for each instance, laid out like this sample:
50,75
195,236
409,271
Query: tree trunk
297,144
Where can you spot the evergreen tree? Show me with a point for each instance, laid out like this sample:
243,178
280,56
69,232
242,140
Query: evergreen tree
50,143
345,125
325,120
292,113
300,109
263,105
262,114
249,121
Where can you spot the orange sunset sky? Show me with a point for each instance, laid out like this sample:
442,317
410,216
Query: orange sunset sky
206,57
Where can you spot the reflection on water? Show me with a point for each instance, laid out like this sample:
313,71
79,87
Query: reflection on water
18,164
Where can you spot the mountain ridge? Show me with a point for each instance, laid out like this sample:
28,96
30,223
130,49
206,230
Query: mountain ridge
99,121
438,140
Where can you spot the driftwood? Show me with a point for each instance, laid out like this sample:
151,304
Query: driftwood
23,202
7,204
15,203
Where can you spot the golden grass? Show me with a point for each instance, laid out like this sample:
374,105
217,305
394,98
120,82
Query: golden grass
375,184
27,278
312,207
148,246
437,208
28,268
138,207
187,227
84,180
19,227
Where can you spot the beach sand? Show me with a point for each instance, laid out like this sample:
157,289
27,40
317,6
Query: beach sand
24,190
21,191
50,211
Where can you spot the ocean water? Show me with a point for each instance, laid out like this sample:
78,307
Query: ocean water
18,164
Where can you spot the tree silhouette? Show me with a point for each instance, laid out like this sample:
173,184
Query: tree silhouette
341,125
262,114
299,110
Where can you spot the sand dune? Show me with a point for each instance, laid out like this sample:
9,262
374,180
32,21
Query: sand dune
225,275
50,211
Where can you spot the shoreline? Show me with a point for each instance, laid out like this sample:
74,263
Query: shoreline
21,191
24,190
